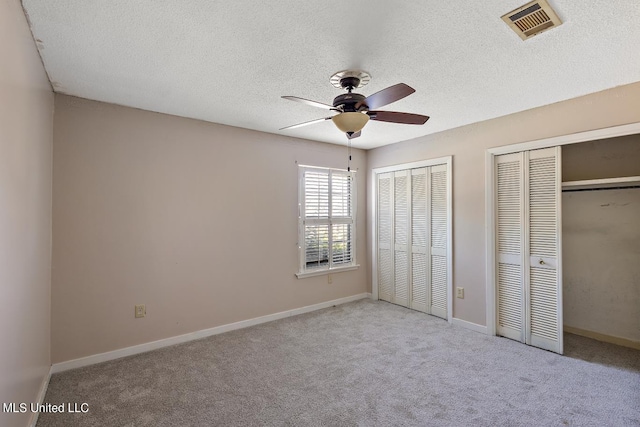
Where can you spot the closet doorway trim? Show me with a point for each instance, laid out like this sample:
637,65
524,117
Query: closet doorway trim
490,194
374,247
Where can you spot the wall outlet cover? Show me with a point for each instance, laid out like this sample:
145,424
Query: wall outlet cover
140,310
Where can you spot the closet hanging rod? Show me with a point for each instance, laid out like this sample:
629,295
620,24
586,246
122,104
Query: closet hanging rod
572,190
602,184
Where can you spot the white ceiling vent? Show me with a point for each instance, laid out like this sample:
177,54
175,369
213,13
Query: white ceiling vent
532,18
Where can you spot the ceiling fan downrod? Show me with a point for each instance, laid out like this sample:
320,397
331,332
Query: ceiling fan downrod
349,83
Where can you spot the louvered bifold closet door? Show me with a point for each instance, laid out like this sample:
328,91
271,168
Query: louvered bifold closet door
385,236
544,283
420,220
438,208
510,246
402,218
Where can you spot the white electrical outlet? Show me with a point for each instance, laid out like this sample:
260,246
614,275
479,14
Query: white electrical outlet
141,310
329,279
460,293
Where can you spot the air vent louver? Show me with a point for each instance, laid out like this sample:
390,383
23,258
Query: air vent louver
532,18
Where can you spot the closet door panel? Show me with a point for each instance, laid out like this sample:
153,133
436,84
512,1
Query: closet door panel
544,284
402,203
412,238
438,245
419,278
420,296
385,237
510,250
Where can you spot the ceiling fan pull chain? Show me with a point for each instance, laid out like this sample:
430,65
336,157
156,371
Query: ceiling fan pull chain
349,149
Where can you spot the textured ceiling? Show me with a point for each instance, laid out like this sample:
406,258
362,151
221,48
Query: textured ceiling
230,61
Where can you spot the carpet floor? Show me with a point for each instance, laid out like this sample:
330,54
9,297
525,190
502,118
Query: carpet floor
366,363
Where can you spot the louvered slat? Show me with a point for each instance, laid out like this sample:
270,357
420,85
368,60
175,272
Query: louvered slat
419,209
316,194
316,246
439,209
544,296
419,281
544,303
341,246
340,195
401,269
401,211
401,198
510,296
438,234
542,207
510,230
439,286
509,222
385,246
384,210
419,236
385,274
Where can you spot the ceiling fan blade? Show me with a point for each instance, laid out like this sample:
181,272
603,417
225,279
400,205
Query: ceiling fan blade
309,102
354,135
395,117
306,123
387,96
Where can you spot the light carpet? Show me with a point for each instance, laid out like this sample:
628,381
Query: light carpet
366,363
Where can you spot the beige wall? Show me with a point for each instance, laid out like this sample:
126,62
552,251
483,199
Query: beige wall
600,269
196,220
26,125
468,144
605,158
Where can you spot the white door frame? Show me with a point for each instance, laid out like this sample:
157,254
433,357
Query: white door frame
490,191
374,247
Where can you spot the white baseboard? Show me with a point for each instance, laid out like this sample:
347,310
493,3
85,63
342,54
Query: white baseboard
41,394
469,325
142,348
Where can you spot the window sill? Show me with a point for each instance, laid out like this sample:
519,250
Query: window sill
323,272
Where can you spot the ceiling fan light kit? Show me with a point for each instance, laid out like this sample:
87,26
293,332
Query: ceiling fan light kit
355,110
350,122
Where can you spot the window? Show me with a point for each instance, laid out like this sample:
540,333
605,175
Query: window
326,220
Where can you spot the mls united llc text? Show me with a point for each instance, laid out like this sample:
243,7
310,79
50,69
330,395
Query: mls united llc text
80,408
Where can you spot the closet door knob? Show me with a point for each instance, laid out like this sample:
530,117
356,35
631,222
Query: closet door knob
541,262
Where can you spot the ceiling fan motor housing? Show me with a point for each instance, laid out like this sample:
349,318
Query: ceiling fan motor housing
350,82
347,102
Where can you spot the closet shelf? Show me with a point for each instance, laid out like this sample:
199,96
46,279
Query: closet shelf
627,181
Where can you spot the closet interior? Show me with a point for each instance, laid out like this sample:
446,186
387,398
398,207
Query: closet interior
601,239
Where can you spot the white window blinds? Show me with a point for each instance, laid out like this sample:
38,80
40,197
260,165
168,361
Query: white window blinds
326,235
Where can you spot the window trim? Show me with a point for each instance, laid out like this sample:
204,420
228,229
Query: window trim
322,272
302,272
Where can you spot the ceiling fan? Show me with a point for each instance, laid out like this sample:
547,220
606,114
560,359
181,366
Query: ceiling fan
355,110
